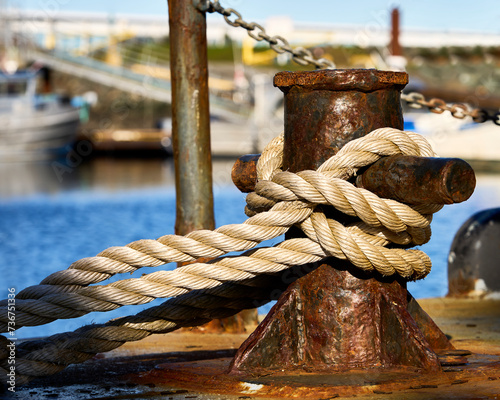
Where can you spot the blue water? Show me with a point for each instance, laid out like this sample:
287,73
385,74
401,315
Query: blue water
45,231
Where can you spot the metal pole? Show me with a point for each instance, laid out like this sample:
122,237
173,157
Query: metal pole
190,116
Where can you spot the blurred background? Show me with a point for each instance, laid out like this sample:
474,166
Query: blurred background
85,114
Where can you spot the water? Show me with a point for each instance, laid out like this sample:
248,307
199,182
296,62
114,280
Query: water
51,217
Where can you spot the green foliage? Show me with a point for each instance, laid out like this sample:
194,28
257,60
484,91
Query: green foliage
221,53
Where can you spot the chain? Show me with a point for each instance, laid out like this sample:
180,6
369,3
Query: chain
304,56
457,110
279,44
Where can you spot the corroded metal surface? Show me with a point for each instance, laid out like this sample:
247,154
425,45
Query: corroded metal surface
335,321
362,80
244,172
336,318
477,380
179,365
436,339
326,109
420,180
408,179
190,117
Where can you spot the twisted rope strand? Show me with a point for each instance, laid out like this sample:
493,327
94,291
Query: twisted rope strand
152,253
172,248
48,356
308,186
163,284
203,291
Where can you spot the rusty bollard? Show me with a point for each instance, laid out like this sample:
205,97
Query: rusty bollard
408,179
337,318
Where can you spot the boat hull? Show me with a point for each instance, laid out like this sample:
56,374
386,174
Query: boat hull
37,135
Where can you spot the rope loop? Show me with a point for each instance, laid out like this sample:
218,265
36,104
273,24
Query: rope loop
328,185
202,291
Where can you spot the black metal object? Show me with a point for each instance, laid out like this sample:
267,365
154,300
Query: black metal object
472,262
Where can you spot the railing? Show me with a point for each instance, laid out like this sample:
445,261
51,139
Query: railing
147,85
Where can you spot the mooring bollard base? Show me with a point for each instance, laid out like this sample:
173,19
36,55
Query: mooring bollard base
348,321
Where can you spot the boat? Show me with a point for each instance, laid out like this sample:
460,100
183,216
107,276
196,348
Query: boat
34,124
458,138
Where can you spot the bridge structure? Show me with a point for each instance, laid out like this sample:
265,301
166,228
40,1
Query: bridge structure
52,27
145,82
66,41
63,39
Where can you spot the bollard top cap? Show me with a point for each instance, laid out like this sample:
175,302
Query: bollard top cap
363,80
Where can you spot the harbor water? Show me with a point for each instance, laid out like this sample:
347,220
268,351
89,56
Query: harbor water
54,213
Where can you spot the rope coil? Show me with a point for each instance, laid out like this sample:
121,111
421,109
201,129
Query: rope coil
226,285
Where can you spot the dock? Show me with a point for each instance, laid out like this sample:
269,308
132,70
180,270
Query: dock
191,365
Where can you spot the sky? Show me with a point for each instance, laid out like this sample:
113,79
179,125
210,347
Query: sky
477,15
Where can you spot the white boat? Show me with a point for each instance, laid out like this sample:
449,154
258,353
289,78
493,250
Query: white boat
33,125
461,138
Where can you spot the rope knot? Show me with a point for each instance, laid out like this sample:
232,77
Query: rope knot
373,234
380,223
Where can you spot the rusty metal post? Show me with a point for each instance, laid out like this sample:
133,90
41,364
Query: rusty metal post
190,116
191,131
420,180
244,172
408,179
337,318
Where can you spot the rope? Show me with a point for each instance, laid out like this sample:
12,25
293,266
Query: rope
202,290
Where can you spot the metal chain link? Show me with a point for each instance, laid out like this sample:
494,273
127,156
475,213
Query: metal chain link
457,110
279,44
304,56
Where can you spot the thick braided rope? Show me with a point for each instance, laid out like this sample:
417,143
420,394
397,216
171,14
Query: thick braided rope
359,243
354,155
194,308
364,250
57,296
38,358
51,355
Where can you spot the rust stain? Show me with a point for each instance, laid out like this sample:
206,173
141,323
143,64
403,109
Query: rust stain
420,180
